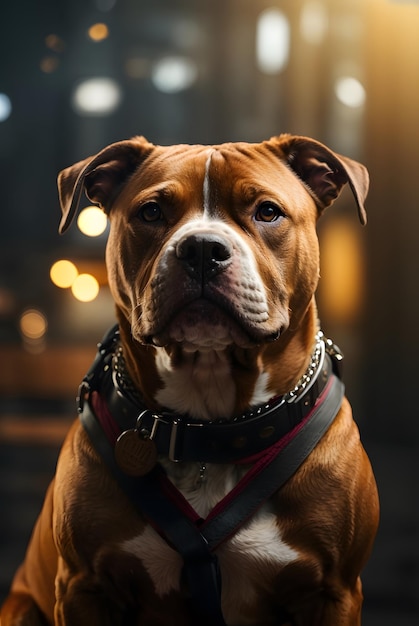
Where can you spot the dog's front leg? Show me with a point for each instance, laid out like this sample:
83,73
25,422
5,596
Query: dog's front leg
19,609
82,601
346,609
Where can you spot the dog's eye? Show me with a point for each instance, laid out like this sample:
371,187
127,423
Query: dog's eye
268,212
150,212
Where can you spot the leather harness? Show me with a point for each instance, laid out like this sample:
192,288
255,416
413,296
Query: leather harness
274,439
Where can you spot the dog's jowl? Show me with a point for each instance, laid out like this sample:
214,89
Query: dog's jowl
215,475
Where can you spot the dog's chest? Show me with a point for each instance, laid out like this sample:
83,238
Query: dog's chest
248,561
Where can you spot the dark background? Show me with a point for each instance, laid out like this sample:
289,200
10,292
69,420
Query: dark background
369,293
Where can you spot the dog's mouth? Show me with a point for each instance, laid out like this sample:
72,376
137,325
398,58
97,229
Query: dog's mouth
204,325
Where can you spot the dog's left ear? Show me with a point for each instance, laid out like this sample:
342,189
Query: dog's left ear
324,171
100,176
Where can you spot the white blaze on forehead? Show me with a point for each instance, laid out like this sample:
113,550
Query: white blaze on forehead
206,188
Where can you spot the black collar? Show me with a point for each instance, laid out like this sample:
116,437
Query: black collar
183,439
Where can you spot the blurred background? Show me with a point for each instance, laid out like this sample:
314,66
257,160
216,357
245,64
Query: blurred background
76,75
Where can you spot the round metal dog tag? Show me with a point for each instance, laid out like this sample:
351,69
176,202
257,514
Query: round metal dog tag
135,455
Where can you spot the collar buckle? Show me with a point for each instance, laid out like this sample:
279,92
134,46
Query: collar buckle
148,422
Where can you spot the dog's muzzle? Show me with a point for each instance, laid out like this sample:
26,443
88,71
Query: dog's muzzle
207,293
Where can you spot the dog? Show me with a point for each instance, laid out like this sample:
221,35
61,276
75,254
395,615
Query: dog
218,366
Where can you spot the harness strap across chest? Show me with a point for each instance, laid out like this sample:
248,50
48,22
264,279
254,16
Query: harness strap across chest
197,539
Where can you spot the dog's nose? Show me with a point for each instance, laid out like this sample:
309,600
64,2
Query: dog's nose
204,254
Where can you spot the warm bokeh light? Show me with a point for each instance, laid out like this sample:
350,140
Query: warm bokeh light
92,221
85,288
55,43
7,302
33,324
98,32
63,273
49,64
343,271
314,21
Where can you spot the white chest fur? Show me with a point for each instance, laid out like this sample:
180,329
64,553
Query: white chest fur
202,387
248,560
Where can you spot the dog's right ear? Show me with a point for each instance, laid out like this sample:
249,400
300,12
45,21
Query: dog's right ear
100,176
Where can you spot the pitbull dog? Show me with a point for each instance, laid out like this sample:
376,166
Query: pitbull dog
213,263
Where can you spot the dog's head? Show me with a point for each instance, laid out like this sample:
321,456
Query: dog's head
212,246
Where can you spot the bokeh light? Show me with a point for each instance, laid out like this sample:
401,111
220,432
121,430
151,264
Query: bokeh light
97,97
350,92
98,32
92,221
314,21
49,64
55,43
173,74
272,41
5,107
63,273
85,288
33,324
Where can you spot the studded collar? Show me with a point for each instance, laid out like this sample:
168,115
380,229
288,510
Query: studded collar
127,422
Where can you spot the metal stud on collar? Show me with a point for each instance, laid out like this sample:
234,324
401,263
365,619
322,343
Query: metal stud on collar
310,375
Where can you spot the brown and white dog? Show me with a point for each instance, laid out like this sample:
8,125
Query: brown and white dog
213,263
